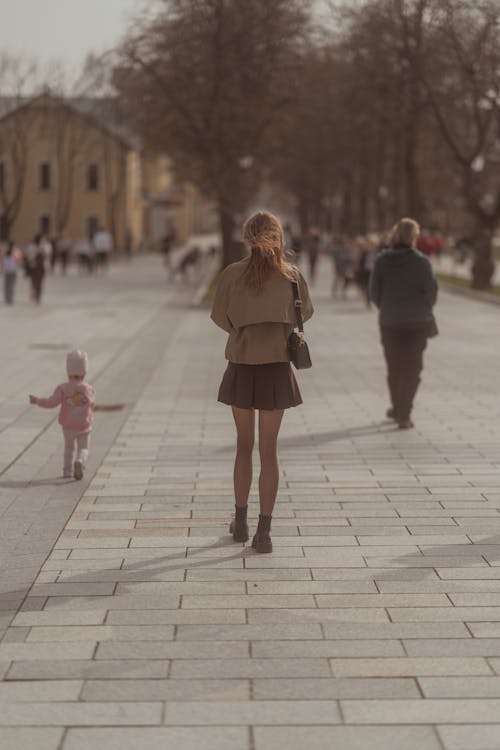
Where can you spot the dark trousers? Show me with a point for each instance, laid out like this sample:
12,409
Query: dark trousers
36,277
403,350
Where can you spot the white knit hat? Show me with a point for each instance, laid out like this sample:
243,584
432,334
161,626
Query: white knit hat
77,362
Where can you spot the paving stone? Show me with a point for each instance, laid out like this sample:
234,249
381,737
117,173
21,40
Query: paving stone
186,588
334,688
252,712
347,738
159,738
383,600
55,618
14,738
101,633
128,601
43,691
166,690
47,651
273,576
249,632
409,666
87,669
91,714
456,647
444,614
472,737
241,668
457,687
172,650
430,711
251,601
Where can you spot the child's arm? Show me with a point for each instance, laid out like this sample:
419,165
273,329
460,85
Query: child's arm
50,402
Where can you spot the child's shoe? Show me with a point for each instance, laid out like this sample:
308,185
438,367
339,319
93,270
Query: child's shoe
67,474
78,470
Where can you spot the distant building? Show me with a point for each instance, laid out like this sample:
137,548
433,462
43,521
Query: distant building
68,166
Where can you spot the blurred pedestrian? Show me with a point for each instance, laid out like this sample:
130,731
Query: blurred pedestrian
254,303
365,250
63,250
404,289
10,264
84,251
38,256
425,243
128,244
343,267
103,245
166,246
312,247
54,255
76,399
296,246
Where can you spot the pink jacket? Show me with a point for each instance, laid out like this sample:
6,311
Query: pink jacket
77,402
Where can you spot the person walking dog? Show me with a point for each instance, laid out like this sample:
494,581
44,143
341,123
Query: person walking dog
404,289
254,304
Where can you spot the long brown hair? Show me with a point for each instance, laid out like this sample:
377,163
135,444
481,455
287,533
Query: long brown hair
264,235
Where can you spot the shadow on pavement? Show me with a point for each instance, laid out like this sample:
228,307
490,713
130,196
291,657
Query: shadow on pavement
332,435
459,553
36,483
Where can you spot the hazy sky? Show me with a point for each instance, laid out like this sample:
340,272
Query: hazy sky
63,29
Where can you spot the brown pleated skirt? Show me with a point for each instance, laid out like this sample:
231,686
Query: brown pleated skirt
269,386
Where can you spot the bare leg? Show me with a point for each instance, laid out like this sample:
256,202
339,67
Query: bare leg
244,420
269,426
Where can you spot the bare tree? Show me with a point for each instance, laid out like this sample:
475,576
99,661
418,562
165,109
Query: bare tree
206,82
15,76
465,99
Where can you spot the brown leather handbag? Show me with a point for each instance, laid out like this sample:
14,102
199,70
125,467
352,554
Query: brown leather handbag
297,345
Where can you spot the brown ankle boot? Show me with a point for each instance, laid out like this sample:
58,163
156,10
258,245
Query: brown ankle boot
262,540
238,526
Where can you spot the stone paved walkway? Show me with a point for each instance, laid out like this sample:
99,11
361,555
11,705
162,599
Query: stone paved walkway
374,624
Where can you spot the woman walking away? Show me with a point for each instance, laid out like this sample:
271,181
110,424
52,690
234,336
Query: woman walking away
254,303
10,264
404,289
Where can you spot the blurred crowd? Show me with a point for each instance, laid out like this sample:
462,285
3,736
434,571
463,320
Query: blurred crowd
353,257
44,254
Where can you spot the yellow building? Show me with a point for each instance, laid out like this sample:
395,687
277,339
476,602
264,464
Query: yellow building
70,166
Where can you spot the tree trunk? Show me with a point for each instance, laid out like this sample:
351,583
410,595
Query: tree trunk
346,221
232,250
414,202
483,266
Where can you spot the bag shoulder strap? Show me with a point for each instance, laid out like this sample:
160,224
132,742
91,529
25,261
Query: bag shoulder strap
298,306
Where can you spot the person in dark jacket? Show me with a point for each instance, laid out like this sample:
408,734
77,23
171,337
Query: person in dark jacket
404,289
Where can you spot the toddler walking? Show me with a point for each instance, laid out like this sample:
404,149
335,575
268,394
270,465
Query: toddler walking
77,399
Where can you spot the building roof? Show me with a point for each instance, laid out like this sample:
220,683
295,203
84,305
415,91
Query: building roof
102,112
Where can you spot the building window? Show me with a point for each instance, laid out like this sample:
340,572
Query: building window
44,176
2,176
44,224
92,177
91,225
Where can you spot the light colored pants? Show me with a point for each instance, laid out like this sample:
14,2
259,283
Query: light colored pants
9,281
73,439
